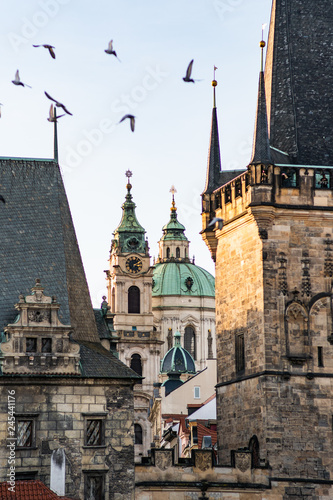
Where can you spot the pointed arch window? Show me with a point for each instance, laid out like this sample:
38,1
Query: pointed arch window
190,341
136,365
133,300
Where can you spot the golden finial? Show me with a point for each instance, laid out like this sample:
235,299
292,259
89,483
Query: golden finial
214,84
128,174
173,190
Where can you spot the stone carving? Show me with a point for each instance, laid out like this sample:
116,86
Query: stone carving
39,316
163,459
203,459
242,461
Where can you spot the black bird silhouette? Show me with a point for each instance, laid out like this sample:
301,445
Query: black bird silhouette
132,121
110,50
58,104
2,199
49,47
187,77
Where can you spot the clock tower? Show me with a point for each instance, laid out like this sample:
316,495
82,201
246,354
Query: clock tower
129,283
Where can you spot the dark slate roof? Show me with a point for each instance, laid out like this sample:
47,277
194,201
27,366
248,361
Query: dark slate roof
214,159
227,176
102,327
299,80
97,362
38,241
261,150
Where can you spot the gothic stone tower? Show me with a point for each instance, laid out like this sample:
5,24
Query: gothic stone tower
130,297
274,264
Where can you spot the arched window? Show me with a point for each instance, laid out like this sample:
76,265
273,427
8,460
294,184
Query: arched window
137,434
136,365
254,449
113,300
189,341
168,253
177,252
134,300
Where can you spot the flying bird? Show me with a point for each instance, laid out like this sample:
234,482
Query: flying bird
53,117
214,221
17,80
110,50
2,199
187,77
49,47
58,104
132,120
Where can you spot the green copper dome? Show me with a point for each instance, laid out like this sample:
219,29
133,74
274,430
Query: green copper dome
177,359
182,278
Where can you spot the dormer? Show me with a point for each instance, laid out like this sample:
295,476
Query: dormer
37,342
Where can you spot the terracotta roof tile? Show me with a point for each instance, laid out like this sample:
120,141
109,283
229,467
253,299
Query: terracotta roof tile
28,490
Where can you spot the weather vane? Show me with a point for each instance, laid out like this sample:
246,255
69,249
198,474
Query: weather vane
173,190
214,84
262,46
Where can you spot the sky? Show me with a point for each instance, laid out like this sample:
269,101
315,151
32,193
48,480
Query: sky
154,41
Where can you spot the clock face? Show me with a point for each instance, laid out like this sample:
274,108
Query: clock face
133,265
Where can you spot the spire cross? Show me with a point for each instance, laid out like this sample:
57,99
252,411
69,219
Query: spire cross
173,190
128,174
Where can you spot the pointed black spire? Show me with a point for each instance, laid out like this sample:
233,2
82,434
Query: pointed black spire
261,150
214,159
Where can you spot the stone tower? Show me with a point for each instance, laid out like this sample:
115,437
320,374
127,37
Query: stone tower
129,283
274,263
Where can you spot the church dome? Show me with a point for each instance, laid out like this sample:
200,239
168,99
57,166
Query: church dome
182,278
178,359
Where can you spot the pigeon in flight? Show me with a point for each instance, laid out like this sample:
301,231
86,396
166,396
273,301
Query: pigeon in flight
50,49
2,199
58,104
52,117
110,50
187,77
132,120
214,221
17,80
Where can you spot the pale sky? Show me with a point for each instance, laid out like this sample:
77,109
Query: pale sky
155,41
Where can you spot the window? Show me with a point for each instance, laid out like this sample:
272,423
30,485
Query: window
25,433
137,434
31,344
46,345
189,341
136,365
94,486
94,431
289,177
322,179
26,430
228,194
194,435
254,449
113,300
133,300
168,253
240,354
320,356
196,392
178,252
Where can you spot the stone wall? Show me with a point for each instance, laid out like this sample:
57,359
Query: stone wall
59,408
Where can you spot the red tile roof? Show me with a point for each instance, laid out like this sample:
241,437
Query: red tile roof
28,490
205,431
